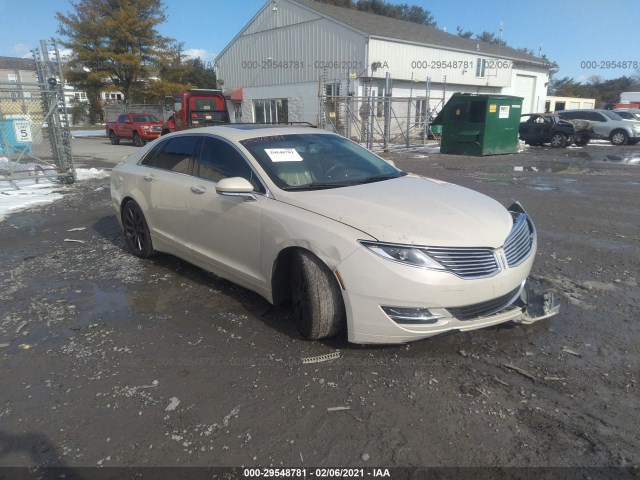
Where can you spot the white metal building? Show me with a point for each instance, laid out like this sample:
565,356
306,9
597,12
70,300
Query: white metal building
274,67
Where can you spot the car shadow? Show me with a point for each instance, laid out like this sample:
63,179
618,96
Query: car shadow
36,452
276,317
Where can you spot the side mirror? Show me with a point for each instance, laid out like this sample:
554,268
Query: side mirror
235,187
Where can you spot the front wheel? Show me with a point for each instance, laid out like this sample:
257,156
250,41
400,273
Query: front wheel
136,230
558,140
137,140
316,299
581,141
619,137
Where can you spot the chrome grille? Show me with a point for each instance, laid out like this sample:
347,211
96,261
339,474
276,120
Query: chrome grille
484,309
480,262
465,262
518,245
156,128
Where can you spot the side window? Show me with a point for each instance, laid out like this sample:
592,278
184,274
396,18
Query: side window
121,118
570,115
176,154
150,158
596,117
220,160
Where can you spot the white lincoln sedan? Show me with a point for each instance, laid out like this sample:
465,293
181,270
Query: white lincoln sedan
356,245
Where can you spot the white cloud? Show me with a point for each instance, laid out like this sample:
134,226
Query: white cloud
20,48
202,54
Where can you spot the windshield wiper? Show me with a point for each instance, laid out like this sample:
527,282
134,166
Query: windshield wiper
380,178
313,186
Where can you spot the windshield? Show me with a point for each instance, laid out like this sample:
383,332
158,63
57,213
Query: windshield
312,161
145,118
629,115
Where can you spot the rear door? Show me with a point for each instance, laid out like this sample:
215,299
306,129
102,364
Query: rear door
123,129
165,182
600,124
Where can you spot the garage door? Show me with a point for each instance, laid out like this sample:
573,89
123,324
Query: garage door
525,88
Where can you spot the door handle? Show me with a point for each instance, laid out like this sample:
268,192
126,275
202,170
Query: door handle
148,178
198,190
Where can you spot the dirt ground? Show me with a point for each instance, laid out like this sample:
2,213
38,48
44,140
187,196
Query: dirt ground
109,360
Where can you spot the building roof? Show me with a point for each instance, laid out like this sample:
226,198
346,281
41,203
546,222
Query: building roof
392,28
17,63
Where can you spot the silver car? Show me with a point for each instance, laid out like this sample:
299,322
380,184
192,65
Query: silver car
628,113
356,245
606,124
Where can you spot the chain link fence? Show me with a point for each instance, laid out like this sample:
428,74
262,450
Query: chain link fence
380,121
35,140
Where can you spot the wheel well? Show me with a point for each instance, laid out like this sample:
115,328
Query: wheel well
125,200
111,130
280,285
622,130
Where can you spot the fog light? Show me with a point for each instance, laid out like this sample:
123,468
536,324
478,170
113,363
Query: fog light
408,315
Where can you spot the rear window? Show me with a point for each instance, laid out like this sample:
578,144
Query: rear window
573,115
207,104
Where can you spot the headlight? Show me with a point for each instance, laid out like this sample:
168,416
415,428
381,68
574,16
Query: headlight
144,127
403,254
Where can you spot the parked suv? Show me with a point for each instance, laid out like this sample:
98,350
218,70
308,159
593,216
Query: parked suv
606,124
629,113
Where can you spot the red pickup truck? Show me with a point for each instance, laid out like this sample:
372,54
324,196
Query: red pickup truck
139,127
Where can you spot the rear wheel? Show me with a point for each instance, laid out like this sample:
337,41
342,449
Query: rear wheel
619,137
136,230
114,140
137,140
316,299
558,140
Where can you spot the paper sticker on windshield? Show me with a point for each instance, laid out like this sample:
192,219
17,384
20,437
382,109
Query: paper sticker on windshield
283,154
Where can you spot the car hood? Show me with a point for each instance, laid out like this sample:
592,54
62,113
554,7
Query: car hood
412,210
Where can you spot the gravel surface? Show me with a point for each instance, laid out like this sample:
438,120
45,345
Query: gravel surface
109,360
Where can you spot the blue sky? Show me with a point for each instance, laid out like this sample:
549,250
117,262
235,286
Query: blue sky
568,31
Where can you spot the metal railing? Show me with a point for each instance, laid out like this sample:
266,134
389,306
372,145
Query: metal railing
381,122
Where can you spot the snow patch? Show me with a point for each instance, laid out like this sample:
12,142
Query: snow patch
37,189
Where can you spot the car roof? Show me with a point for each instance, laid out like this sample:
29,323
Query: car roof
583,110
239,132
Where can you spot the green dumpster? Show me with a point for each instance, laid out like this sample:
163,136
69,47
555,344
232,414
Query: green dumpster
478,124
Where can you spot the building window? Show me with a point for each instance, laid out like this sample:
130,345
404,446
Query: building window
271,111
421,113
12,77
481,67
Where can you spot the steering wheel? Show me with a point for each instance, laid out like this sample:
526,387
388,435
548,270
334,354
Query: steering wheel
336,168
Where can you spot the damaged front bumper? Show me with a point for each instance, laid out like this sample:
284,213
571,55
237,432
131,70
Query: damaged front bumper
536,305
